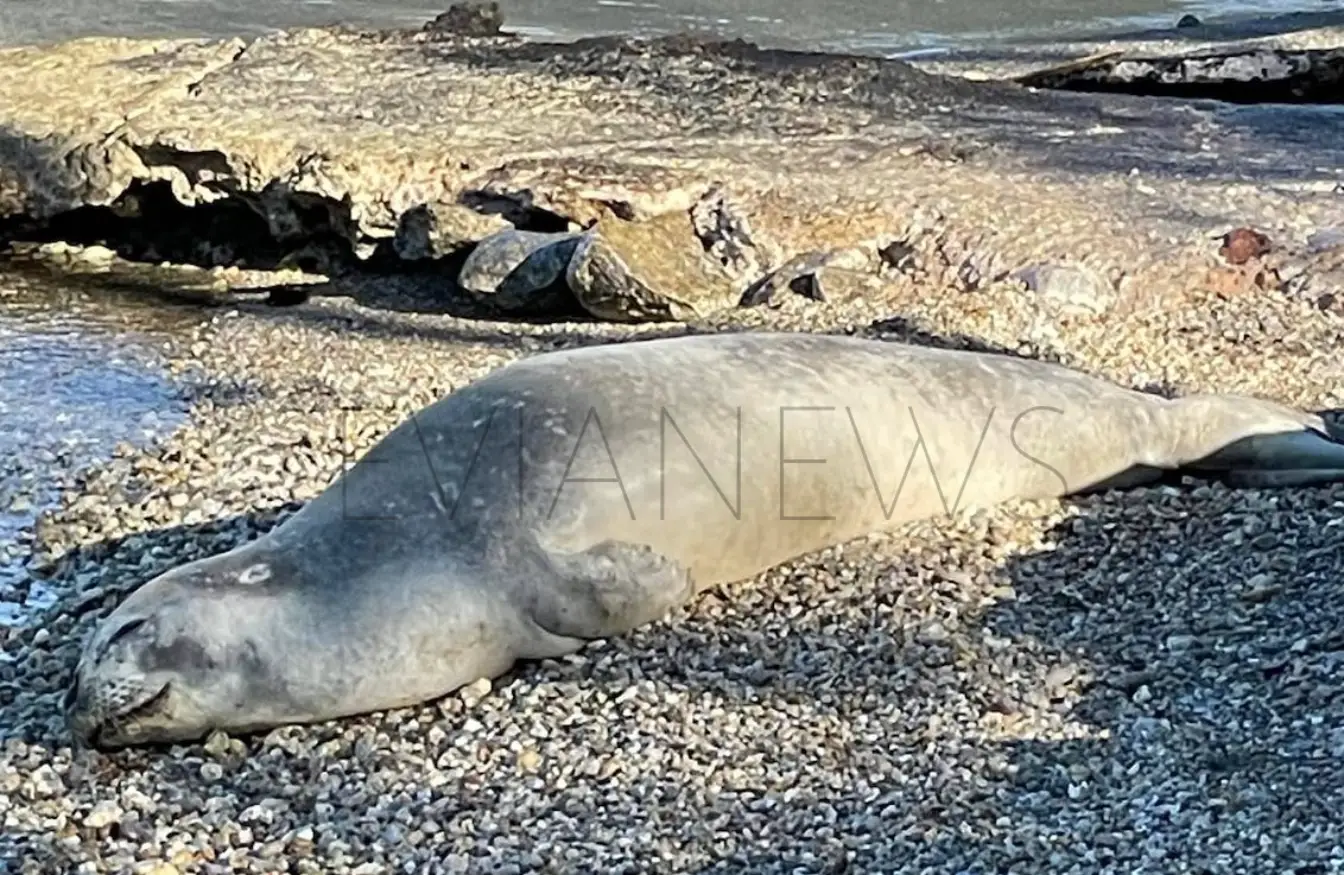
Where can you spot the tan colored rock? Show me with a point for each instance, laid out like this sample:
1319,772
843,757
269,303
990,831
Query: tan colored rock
420,143
647,271
436,230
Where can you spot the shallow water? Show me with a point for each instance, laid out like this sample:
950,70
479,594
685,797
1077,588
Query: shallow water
78,375
878,26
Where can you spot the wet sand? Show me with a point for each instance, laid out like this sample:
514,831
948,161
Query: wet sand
80,375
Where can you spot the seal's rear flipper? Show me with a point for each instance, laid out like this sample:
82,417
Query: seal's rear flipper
607,590
1308,453
1243,478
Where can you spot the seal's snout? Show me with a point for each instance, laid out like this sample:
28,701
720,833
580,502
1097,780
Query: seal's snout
107,687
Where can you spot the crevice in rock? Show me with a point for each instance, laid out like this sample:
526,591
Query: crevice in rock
725,233
147,223
1246,76
274,229
195,164
518,209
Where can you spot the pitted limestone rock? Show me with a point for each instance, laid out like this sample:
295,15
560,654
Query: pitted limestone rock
654,270
436,230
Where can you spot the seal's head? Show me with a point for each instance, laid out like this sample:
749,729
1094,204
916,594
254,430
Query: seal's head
180,657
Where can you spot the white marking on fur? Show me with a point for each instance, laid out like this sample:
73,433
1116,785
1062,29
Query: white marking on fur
255,574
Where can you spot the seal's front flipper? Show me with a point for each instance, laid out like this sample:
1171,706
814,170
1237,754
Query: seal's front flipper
608,590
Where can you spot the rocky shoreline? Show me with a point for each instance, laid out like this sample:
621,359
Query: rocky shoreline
1141,681
346,152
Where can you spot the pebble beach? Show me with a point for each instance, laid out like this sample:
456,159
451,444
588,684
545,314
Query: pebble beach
1146,681
1140,681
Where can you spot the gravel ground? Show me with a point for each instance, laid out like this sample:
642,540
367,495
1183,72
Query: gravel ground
1138,682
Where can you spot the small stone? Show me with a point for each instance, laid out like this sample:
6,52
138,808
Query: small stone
933,633
1260,592
1266,541
1326,238
103,814
211,772
217,744
45,783
96,255
155,867
529,760
1179,643
473,693
1240,245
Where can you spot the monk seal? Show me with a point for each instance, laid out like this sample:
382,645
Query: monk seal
575,495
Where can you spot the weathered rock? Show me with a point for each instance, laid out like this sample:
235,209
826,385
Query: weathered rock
318,148
810,275
520,270
1068,288
724,229
1316,275
1240,245
433,231
468,19
1240,74
648,271
1326,238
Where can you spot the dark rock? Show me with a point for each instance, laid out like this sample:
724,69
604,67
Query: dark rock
803,275
468,19
519,270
